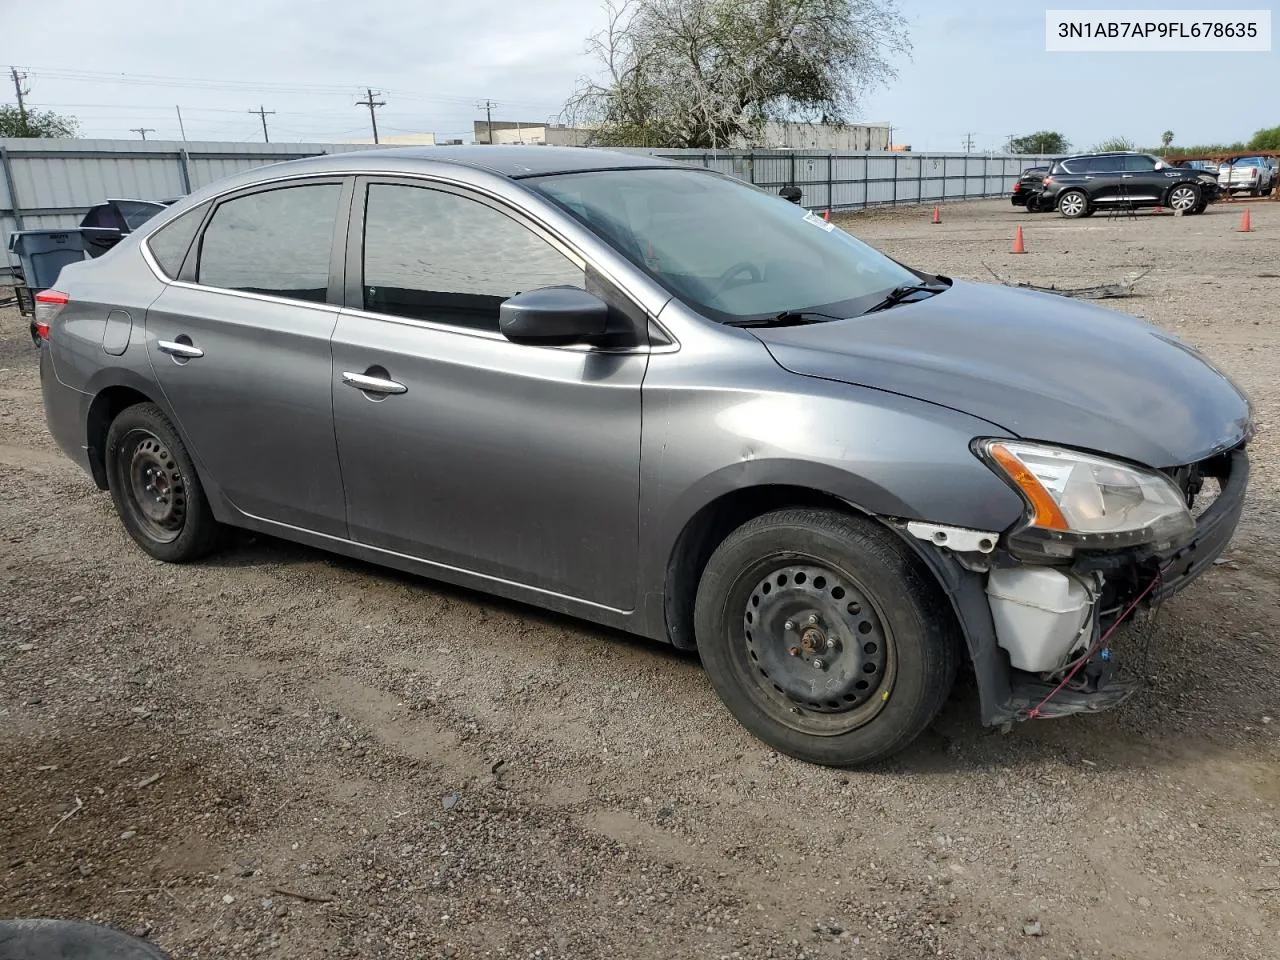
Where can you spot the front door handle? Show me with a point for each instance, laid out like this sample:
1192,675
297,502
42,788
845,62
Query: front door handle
1126,176
372,384
174,348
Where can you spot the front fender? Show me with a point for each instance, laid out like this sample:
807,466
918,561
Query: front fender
884,454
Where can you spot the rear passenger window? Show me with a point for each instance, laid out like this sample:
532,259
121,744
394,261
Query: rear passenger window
169,244
276,242
1106,164
431,255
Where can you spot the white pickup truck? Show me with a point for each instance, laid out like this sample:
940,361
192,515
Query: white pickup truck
1256,175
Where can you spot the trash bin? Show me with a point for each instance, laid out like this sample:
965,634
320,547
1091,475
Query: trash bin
43,253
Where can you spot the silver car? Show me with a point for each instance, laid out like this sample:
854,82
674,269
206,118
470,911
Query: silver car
663,400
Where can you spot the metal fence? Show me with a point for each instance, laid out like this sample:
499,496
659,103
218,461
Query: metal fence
852,181
52,183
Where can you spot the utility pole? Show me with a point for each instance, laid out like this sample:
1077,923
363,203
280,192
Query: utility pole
181,128
1012,137
142,131
370,103
22,105
968,142
488,106
261,112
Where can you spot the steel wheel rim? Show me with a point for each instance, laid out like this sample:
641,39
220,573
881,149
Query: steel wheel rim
1072,204
815,645
154,490
1182,198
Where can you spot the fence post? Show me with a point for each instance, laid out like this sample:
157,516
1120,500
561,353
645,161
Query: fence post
184,167
751,168
830,166
14,206
919,180
895,180
793,168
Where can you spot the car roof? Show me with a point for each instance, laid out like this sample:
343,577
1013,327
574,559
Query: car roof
513,161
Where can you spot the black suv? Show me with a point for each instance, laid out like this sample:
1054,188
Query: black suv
1077,186
1027,184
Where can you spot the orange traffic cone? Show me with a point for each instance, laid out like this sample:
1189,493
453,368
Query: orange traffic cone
937,214
1246,222
827,216
1018,245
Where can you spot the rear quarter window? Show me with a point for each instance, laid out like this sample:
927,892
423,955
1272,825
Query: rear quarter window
169,244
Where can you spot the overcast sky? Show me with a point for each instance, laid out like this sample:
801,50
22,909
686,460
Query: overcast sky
976,67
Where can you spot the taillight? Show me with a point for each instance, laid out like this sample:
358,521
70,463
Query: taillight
1017,187
49,304
1047,181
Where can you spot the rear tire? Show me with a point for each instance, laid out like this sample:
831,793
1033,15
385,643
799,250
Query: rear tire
825,636
1074,204
155,488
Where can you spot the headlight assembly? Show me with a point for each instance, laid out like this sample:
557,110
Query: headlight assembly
1080,502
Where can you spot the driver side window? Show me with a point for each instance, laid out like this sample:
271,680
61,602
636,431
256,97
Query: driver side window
445,258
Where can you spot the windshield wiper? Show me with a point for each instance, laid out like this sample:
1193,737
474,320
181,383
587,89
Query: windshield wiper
898,294
787,318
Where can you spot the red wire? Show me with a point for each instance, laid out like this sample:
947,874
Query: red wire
1035,711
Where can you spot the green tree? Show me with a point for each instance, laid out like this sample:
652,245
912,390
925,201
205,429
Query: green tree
712,73
1043,141
1268,139
36,123
1113,144
1166,138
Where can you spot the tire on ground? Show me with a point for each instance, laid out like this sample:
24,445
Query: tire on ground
920,629
198,532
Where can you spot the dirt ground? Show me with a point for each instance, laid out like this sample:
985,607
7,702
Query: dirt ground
285,754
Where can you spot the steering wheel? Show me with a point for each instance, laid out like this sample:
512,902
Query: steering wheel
742,266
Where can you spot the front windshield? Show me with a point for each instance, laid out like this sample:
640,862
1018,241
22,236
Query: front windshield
728,249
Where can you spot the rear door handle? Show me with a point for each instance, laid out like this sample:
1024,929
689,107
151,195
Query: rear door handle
372,384
185,350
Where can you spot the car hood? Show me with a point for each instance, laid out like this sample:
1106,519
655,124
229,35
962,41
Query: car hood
1040,366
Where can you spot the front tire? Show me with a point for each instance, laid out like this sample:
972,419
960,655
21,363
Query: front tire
155,489
825,636
1073,204
1184,198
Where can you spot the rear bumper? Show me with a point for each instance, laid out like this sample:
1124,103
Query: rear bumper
1019,199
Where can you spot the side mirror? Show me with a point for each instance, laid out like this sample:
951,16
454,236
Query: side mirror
790,193
553,316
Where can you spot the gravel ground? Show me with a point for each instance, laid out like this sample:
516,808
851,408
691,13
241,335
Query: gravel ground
281,753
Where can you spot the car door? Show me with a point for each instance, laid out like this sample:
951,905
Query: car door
1102,180
1142,181
457,446
240,345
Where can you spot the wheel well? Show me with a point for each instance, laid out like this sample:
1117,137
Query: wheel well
707,529
106,406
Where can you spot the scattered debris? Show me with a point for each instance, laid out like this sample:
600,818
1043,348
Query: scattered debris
68,815
450,801
309,897
1102,291
1032,929
148,781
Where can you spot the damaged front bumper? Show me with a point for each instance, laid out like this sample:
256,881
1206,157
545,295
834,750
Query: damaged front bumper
1124,580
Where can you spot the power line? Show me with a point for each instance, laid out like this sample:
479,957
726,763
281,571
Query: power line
371,104
142,131
262,113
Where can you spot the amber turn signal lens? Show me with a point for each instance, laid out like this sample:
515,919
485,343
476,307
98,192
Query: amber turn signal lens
1045,512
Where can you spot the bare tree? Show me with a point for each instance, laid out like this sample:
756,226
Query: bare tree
711,73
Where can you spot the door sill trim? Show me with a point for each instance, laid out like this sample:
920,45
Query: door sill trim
459,573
